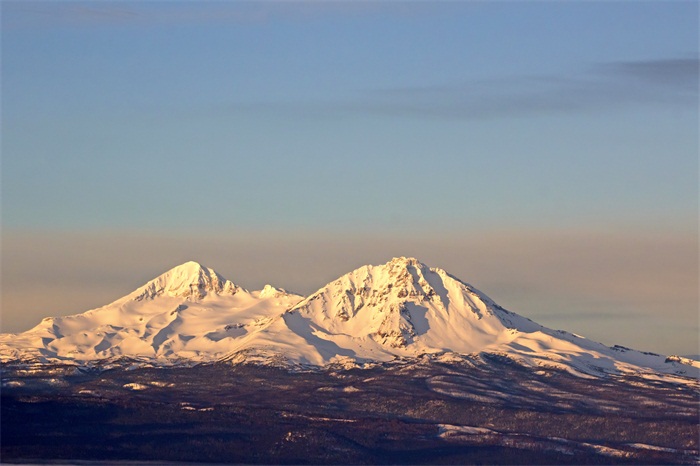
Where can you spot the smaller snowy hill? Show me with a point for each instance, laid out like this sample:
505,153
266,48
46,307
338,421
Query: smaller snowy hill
401,309
189,312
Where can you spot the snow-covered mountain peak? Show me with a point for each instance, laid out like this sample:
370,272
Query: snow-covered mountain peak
396,304
189,280
404,278
401,279
400,265
270,291
403,261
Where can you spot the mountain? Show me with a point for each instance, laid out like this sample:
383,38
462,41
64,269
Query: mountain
406,309
188,313
401,309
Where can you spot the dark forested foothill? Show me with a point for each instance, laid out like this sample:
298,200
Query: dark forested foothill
494,412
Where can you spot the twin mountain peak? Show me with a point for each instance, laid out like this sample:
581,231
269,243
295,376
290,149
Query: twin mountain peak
404,277
400,309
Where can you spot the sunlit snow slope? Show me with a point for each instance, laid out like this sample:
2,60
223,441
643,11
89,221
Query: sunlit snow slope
189,312
404,308
375,313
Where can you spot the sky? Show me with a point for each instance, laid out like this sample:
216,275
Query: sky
545,152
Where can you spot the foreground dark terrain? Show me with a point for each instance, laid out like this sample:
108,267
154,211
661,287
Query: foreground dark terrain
485,410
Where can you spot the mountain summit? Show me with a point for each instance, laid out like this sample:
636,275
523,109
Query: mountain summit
404,307
400,309
190,279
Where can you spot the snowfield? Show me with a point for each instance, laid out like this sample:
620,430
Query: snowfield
401,309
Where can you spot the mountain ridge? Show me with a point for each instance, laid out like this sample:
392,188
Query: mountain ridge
375,313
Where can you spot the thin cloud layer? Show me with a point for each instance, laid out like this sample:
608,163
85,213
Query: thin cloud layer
680,74
603,87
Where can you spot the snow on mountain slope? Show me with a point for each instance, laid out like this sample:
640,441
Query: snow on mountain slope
189,312
404,308
399,309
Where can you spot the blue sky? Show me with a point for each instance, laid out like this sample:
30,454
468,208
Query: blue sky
387,118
